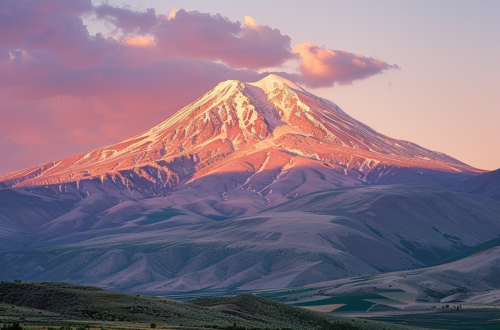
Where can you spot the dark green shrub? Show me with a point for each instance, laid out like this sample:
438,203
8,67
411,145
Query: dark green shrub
13,326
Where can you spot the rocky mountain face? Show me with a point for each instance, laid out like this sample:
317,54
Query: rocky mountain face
252,186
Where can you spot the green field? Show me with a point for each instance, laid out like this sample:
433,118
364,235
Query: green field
465,319
352,303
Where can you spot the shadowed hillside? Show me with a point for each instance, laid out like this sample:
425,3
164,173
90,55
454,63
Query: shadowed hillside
487,184
145,247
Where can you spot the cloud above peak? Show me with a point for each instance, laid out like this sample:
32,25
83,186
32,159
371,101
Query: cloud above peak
201,36
215,38
321,67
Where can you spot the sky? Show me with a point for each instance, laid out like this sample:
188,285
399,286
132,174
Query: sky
81,74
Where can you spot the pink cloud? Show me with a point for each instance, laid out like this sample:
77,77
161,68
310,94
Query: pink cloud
21,21
321,67
213,37
203,36
139,41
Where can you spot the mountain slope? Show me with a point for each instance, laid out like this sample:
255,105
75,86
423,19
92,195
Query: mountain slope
486,184
146,246
474,279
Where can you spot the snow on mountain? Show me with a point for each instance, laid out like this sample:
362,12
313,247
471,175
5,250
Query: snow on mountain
239,120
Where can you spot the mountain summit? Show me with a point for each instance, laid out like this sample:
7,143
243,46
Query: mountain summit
242,128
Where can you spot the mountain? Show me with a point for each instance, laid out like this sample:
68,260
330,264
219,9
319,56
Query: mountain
252,186
486,184
247,130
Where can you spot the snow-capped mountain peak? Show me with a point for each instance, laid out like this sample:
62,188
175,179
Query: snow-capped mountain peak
232,121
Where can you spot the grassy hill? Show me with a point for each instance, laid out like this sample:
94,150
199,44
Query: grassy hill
65,305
